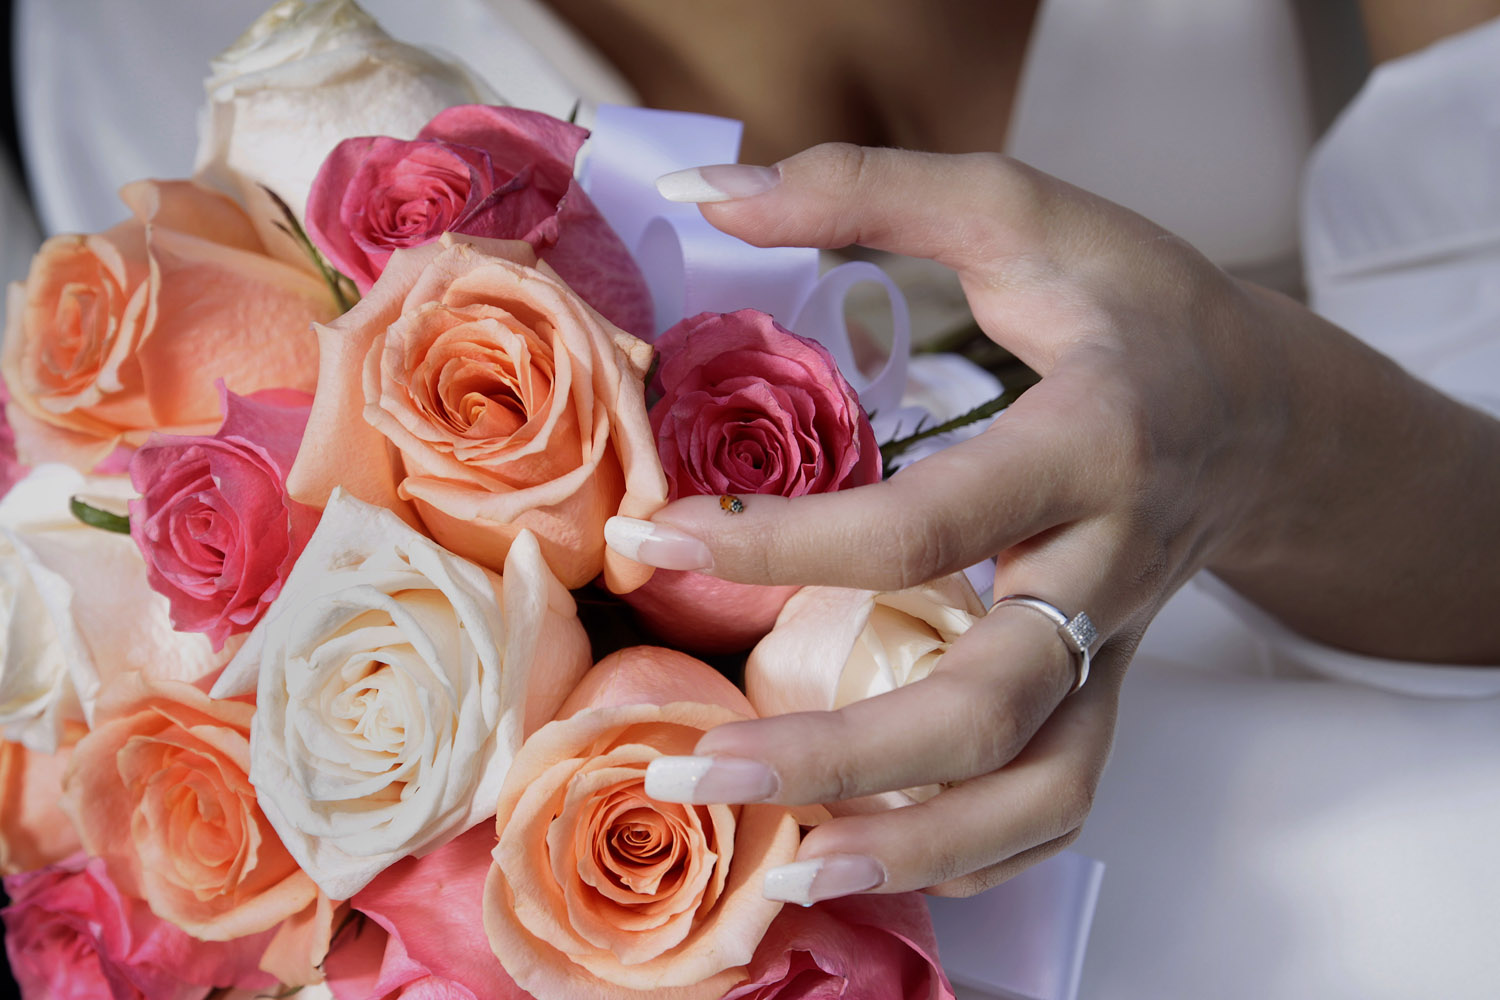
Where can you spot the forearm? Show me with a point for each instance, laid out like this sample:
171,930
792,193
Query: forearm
1378,522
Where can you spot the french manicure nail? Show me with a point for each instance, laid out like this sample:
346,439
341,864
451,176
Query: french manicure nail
806,882
719,182
710,779
656,544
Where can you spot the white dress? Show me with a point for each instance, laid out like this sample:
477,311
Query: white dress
1268,831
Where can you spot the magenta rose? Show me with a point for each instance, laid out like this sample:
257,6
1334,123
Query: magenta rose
71,935
502,173
746,408
424,937
874,947
214,523
11,469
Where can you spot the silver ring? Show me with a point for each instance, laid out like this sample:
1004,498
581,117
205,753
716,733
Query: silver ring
1077,632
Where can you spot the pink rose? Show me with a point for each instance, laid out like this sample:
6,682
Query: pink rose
214,524
72,935
502,173
874,947
424,939
11,469
119,334
746,407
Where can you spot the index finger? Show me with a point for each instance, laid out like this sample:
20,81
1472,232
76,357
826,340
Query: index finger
1024,475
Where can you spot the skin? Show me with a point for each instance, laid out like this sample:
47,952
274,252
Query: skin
1185,420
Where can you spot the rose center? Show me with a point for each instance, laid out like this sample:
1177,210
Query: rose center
368,711
80,332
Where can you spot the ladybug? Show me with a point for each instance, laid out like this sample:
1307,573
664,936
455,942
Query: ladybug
731,504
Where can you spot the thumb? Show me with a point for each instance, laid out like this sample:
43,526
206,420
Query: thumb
968,212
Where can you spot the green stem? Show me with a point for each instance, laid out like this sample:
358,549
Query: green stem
96,518
893,449
341,287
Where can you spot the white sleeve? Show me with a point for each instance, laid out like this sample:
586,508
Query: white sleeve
1401,215
1401,245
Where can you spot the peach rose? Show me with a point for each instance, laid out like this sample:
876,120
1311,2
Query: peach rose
160,789
34,832
479,397
833,646
122,333
600,892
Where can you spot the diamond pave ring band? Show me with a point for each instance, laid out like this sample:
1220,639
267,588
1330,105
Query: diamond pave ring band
1077,632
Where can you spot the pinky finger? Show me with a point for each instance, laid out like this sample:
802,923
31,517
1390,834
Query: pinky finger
994,824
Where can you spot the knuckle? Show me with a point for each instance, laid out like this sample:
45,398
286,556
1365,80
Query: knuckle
1074,800
967,885
924,547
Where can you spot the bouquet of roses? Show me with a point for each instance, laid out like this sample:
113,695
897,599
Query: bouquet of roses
307,472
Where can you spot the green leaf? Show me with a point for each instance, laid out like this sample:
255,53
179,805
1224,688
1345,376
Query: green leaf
96,518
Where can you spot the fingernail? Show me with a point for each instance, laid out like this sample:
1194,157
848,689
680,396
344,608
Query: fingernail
719,182
710,779
655,544
806,882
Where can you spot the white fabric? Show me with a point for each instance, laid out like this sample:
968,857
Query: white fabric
1267,833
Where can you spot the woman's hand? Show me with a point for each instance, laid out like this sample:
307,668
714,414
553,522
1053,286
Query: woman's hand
1170,431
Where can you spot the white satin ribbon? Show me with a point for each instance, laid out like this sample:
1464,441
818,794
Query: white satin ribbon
691,267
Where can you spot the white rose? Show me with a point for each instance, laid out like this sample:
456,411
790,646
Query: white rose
303,78
75,610
833,646
394,683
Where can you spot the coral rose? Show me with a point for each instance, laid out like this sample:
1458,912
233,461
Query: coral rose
503,173
71,934
511,406
833,646
213,521
394,682
119,334
746,407
872,946
600,892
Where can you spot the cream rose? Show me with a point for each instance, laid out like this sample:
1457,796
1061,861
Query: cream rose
75,610
394,683
833,646
300,80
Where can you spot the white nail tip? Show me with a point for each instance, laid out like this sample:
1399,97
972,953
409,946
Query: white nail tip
689,186
792,883
674,779
625,535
